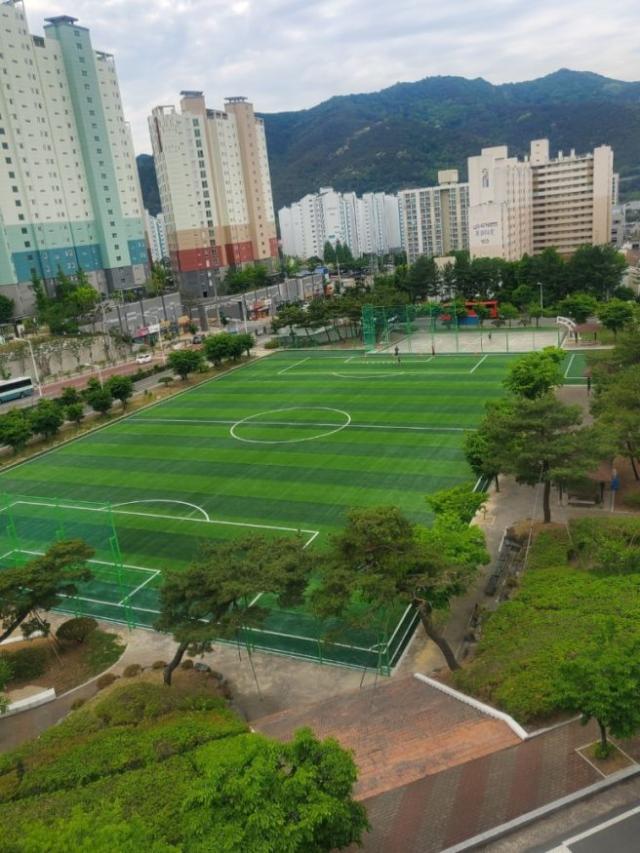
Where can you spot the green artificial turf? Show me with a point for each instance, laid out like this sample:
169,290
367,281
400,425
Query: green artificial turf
285,445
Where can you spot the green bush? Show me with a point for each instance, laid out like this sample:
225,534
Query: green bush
76,630
105,680
186,664
273,343
138,701
28,662
132,670
158,664
550,549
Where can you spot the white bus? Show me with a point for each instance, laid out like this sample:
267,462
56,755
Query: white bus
13,389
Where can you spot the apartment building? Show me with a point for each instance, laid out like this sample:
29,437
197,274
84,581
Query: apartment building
572,198
500,205
215,189
367,225
156,232
69,191
435,219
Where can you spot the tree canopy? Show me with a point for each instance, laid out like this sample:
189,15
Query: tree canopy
185,361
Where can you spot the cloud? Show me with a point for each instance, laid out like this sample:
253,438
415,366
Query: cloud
290,54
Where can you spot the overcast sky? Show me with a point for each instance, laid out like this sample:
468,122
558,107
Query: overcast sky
289,54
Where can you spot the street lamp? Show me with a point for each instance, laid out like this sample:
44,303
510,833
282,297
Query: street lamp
541,298
160,341
35,368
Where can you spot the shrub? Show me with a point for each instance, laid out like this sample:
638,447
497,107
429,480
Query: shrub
105,680
632,500
274,343
186,664
26,663
76,630
77,703
132,670
158,664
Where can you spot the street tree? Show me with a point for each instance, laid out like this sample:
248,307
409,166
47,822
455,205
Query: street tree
538,441
381,558
121,388
46,418
508,312
615,315
69,395
248,342
218,347
37,585
100,399
185,361
535,312
536,373
288,317
601,681
74,412
216,595
7,307
578,307
15,429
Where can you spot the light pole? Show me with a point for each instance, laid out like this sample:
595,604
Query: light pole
35,368
160,341
541,297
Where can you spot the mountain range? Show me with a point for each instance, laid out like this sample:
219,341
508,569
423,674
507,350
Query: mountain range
400,136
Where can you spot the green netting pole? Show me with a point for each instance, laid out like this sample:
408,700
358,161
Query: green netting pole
116,556
320,656
386,326
60,533
506,338
455,317
12,530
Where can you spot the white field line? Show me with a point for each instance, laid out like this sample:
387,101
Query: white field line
306,424
566,373
127,598
477,364
302,361
99,562
194,507
312,533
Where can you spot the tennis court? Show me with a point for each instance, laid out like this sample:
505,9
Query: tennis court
282,447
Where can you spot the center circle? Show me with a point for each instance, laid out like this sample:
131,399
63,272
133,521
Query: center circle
280,419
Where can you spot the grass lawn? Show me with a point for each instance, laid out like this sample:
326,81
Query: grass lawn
283,446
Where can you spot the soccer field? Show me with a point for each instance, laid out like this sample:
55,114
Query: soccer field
282,446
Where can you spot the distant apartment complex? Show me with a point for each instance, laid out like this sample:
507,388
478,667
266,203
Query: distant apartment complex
368,225
69,191
434,220
518,207
156,236
215,189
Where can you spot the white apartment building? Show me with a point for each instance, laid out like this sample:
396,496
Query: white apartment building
215,189
156,231
518,207
500,205
572,198
435,219
367,225
69,191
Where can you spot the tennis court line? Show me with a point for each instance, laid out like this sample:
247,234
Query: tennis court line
302,361
566,373
294,424
477,365
92,560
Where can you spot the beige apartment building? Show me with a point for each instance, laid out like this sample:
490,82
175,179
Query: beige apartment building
215,189
434,220
518,207
500,205
572,198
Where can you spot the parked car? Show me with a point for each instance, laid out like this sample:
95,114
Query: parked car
144,358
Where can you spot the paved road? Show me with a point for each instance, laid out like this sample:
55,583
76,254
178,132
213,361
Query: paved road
618,831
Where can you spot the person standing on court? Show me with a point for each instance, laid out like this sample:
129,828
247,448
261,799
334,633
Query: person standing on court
396,352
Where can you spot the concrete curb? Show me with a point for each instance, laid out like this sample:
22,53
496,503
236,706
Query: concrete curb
29,702
483,838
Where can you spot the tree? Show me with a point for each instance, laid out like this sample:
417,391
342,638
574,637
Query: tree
422,278
159,281
596,270
38,584
69,396
218,347
7,307
616,406
216,595
578,307
75,412
15,429
538,441
481,312
602,682
75,302
265,795
185,361
248,342
382,558
522,296
329,253
46,418
536,373
508,312
460,501
479,455
121,388
534,311
5,676
235,347
288,316
100,399
615,315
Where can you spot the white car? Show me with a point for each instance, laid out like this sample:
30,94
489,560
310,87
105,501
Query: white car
143,358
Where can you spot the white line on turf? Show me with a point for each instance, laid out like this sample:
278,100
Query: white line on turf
194,507
127,598
92,560
478,363
566,373
352,425
295,363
